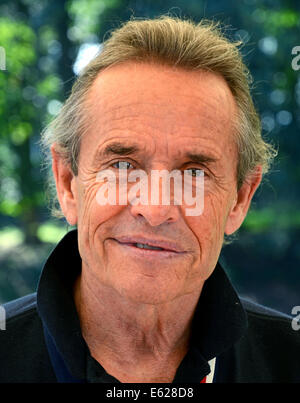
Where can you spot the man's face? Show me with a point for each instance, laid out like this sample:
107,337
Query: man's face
160,117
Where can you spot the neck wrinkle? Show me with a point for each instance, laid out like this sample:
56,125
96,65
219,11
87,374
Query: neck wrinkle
122,334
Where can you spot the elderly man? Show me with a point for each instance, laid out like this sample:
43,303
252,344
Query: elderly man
136,292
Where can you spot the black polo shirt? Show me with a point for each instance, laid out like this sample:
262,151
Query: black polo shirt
43,341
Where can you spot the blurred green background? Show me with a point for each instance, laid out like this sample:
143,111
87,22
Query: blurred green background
47,42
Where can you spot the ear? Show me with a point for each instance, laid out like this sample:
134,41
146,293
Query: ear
242,201
65,186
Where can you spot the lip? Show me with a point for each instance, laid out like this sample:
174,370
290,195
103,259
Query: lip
149,255
167,245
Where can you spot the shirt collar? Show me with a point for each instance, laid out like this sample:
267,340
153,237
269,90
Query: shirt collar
218,323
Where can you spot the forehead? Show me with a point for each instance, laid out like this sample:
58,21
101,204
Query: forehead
151,102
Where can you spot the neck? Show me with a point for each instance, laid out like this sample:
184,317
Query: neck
134,342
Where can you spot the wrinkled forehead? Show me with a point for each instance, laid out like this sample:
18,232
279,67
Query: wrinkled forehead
160,99
139,82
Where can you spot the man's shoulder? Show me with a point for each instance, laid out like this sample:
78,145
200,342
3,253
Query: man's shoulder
21,324
255,310
267,352
21,306
20,318
269,323
23,353
269,349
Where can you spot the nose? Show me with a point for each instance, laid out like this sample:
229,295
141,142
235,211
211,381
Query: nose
156,214
157,210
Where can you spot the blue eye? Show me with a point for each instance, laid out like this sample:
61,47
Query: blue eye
195,171
122,165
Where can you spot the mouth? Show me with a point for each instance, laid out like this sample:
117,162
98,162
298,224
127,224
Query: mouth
145,246
150,248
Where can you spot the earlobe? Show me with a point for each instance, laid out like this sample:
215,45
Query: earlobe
242,201
65,187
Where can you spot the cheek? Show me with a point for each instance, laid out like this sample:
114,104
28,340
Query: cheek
211,223
208,229
93,227
91,213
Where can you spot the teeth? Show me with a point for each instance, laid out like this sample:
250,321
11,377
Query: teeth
144,246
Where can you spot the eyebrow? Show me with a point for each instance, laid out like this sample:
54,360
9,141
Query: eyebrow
116,148
120,149
200,158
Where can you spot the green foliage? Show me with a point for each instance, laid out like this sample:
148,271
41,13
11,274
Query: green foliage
18,39
276,19
24,94
264,220
86,17
51,232
49,86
